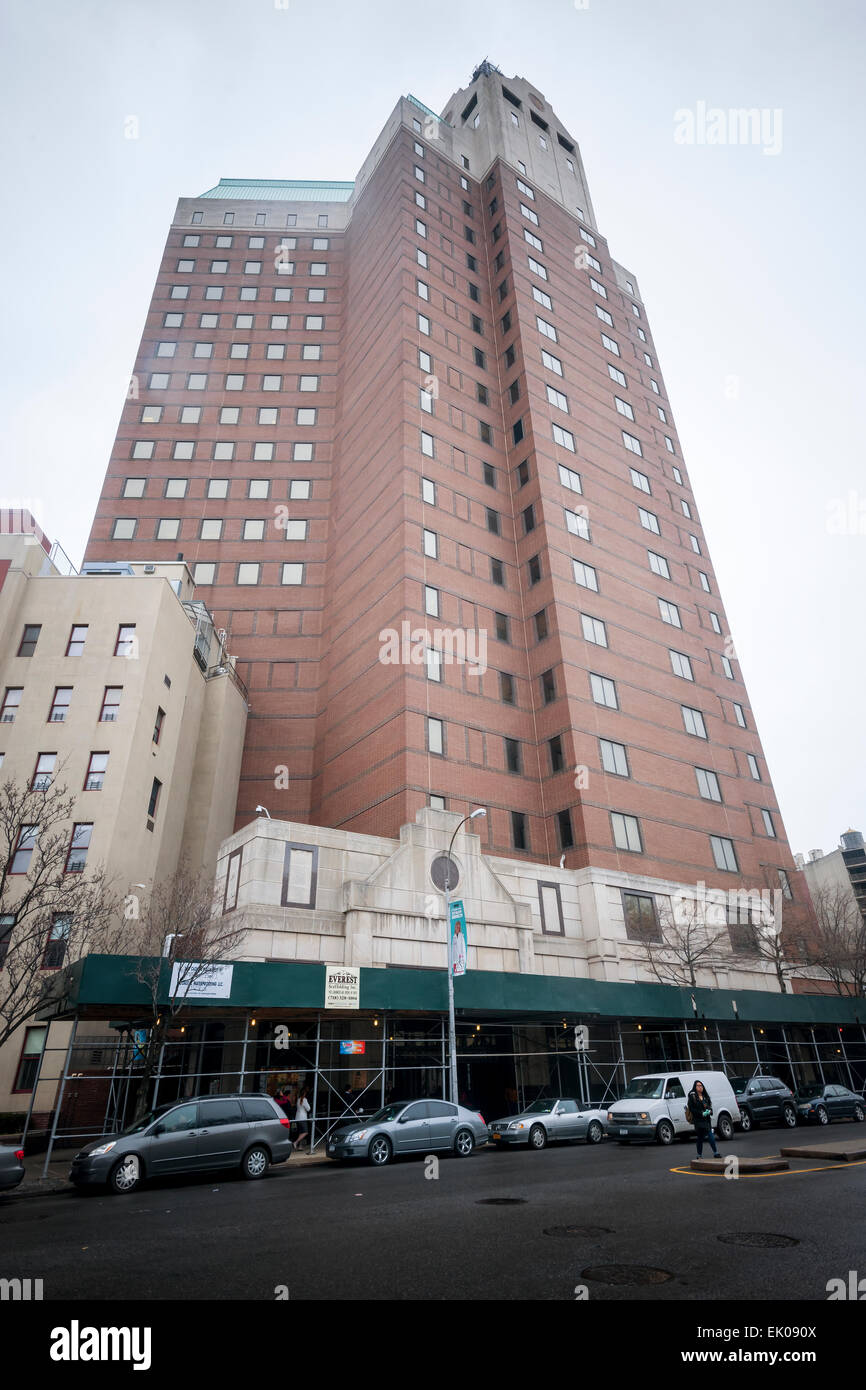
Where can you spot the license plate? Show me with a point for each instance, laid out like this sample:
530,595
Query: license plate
497,1136
623,1131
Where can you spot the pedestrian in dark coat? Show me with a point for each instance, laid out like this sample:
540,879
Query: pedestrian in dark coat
701,1109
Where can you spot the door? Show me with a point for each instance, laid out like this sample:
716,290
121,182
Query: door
675,1100
222,1133
566,1120
442,1124
410,1133
175,1149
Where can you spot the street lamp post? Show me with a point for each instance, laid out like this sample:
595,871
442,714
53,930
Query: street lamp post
452,1028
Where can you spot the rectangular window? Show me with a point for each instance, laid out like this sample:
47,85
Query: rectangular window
110,704
594,630
631,443
248,573
624,408
681,666
570,479
292,573
126,644
134,487
614,758
540,621
79,844
512,755
77,639
11,704
29,638
564,829
577,523
431,601
552,363
769,825
753,767
724,854
603,691
658,564
740,715
435,736
546,328
431,546
506,688
558,399
611,345
604,315
616,375
694,721
585,575
564,438
641,919
537,268
60,704
649,521
626,832
31,1052
43,773
548,687
518,830
541,298
557,757
156,788
669,613
708,784
300,874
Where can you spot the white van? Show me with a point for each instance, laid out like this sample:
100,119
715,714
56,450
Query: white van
653,1107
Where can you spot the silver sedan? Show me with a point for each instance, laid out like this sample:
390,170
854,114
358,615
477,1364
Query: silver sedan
545,1121
406,1127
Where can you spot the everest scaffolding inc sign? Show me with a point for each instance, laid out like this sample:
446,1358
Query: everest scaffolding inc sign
342,987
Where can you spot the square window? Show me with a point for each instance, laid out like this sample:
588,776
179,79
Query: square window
292,574
248,573
230,414
134,487
253,531
258,488
300,489
218,487
168,529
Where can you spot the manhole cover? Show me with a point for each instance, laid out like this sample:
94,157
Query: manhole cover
588,1232
764,1240
501,1202
626,1274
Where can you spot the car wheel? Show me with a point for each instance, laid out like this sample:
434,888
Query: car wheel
464,1142
746,1121
125,1175
537,1137
255,1162
821,1116
664,1132
859,1112
380,1150
724,1128
789,1116
594,1133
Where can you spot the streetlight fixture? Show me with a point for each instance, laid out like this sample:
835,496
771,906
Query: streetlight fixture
265,809
452,1028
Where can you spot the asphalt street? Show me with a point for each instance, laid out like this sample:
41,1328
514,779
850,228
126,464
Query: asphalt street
561,1219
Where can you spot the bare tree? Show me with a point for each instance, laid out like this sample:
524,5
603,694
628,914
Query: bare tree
181,924
683,941
53,908
770,935
840,939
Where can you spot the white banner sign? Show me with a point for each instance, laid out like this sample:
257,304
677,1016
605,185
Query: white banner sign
342,987
191,979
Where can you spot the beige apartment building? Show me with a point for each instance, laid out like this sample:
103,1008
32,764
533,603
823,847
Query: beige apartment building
115,684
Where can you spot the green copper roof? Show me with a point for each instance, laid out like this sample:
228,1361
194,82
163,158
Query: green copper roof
282,190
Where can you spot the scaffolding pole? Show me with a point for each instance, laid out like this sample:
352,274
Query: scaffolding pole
59,1101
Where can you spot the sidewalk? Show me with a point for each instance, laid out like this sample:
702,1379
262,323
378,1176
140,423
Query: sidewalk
57,1178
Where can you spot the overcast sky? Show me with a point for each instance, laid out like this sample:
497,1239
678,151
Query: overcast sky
749,258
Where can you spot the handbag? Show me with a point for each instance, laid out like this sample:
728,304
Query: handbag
688,1116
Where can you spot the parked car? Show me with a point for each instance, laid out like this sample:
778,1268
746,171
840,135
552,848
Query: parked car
11,1167
820,1104
547,1121
653,1107
409,1126
764,1100
246,1131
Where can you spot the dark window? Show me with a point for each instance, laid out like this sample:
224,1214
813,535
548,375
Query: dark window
523,473
258,1110
566,144
510,356
512,755
557,761
493,207
482,395
496,572
518,830
502,291
213,1113
477,325
502,627
506,688
469,235
155,790
480,359
467,209
29,638
566,834
548,687
493,523
473,292
497,231
541,628
489,474
641,919
499,261
534,569
57,943
31,1054
505,322
517,431
471,263
514,391
529,519
485,432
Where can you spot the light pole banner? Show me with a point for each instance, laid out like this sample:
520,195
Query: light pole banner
457,938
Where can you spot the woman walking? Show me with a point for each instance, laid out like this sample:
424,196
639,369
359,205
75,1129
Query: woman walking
302,1114
700,1108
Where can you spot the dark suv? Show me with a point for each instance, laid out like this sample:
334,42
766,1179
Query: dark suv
764,1100
248,1132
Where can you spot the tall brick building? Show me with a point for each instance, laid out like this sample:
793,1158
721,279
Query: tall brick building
432,398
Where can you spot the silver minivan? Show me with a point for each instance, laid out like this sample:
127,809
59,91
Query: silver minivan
653,1107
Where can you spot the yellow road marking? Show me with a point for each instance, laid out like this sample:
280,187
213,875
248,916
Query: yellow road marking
784,1173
